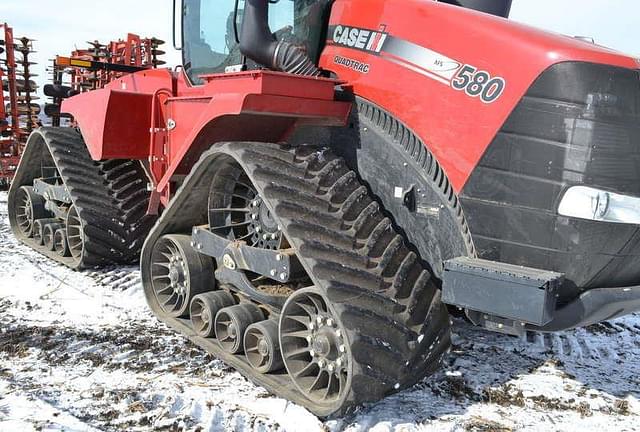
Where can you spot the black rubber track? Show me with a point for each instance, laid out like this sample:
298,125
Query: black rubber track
111,197
396,325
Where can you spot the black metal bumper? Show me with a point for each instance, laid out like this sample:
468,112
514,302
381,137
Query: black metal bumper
513,299
593,306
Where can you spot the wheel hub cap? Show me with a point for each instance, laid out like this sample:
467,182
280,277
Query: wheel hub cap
263,347
174,275
205,315
321,345
233,332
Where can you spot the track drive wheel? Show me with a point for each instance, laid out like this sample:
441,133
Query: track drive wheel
30,207
179,273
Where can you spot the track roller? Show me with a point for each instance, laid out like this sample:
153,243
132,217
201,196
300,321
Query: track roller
60,244
262,348
205,307
179,273
231,323
48,234
38,230
30,207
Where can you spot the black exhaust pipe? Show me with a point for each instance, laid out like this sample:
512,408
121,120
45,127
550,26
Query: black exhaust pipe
499,8
258,43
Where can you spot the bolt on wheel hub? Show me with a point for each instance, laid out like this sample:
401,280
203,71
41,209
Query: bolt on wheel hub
266,231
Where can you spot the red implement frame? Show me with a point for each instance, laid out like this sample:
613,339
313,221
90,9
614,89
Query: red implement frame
134,51
13,135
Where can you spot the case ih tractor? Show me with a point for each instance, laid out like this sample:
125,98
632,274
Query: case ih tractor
321,178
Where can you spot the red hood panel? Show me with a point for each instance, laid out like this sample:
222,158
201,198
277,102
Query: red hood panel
406,56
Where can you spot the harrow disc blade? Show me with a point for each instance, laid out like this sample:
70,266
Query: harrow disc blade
156,41
58,91
96,45
53,110
157,52
21,85
25,50
24,109
24,98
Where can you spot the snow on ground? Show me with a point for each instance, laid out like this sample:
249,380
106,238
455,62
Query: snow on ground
80,352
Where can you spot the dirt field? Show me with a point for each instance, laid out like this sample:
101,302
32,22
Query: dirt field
80,352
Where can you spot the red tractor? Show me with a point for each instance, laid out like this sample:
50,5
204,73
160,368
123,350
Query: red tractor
322,178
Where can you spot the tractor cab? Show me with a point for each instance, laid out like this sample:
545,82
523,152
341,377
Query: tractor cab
212,31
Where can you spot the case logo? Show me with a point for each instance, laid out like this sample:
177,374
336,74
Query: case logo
358,38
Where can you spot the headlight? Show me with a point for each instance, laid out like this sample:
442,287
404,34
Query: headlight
588,203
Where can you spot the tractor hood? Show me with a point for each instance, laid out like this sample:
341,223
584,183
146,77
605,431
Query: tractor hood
476,66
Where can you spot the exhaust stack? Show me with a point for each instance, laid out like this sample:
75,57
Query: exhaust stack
499,8
258,43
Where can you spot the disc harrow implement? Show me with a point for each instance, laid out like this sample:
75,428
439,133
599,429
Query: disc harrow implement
18,110
96,66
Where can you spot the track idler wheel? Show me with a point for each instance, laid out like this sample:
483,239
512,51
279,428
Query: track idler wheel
231,324
60,244
205,307
38,229
262,348
314,348
48,235
30,207
179,273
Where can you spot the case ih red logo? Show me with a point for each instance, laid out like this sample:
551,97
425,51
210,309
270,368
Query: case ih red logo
463,77
359,38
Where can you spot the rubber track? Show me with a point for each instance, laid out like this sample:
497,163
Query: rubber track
111,198
397,327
